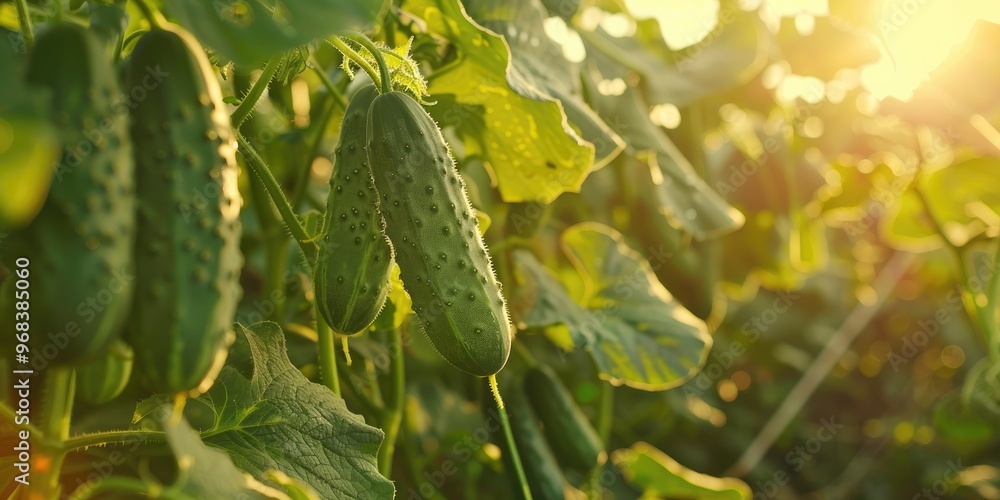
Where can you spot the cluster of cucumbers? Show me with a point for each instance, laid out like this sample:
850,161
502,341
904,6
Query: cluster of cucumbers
396,196
134,255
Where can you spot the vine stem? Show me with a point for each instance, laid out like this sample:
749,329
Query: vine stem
380,76
821,366
264,175
55,417
392,413
111,437
24,21
247,104
327,355
377,54
156,20
509,437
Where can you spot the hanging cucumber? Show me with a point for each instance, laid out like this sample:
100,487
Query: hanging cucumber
103,379
80,243
574,440
355,258
188,258
442,259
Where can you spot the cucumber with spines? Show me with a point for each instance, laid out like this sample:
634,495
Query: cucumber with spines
80,243
355,258
187,253
443,262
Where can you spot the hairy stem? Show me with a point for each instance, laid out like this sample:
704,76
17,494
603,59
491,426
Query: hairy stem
24,21
247,104
509,437
392,414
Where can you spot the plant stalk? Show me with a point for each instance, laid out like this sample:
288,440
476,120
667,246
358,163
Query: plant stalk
392,414
250,101
509,437
327,355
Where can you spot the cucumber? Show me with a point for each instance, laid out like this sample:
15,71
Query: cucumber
80,243
355,258
442,259
545,479
188,257
574,440
105,378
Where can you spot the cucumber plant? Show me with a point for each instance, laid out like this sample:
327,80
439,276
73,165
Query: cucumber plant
610,173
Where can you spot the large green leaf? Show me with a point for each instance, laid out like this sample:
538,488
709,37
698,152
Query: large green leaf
204,472
252,31
522,134
538,63
963,198
659,476
636,332
277,419
687,201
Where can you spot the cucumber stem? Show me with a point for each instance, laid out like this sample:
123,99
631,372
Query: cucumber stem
379,76
509,437
392,414
55,417
327,355
110,437
250,101
24,21
377,54
156,20
263,174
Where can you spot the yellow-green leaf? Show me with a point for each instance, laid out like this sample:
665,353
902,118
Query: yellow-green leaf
523,135
659,476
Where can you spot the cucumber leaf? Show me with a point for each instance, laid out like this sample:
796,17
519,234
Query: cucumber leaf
252,31
276,419
521,134
636,332
659,476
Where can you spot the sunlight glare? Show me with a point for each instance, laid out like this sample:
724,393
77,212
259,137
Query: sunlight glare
682,22
920,34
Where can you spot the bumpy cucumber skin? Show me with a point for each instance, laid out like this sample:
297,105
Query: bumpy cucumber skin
188,258
574,441
442,260
103,379
355,258
80,243
545,479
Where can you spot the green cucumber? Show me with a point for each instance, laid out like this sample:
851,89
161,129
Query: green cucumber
80,243
188,257
355,258
545,479
574,440
103,379
442,259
